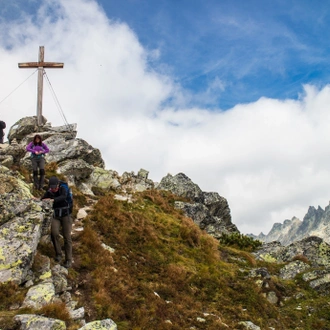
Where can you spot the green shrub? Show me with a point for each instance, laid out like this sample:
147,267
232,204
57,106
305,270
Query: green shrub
240,241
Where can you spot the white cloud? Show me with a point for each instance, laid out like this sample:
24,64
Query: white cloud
269,158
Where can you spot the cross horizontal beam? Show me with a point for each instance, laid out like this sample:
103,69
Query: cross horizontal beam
30,65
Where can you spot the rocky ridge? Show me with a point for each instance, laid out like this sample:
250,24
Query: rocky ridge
316,222
25,222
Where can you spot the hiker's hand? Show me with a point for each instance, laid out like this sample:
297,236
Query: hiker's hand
47,199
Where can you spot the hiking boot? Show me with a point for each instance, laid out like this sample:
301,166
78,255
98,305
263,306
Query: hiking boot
68,264
58,258
35,180
41,179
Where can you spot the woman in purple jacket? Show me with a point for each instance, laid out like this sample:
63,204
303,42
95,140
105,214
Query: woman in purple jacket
38,149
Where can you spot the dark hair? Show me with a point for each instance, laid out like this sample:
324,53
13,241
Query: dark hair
35,140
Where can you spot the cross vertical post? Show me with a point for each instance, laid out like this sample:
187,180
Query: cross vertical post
40,85
40,65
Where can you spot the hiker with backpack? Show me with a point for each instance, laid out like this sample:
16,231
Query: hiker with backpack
60,193
2,127
38,150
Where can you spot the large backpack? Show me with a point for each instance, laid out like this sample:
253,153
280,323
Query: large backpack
69,196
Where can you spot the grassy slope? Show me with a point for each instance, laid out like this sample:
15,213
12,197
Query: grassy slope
166,273
158,250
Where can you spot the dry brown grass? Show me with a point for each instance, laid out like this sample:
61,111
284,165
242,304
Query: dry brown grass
10,294
55,311
302,258
51,168
7,321
164,268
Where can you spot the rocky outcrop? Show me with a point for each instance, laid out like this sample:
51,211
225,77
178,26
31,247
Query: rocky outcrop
301,257
104,324
61,141
313,248
37,322
182,186
19,239
22,131
12,190
11,155
293,268
21,225
248,325
140,182
208,209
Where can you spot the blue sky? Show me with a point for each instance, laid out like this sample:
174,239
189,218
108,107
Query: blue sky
238,51
254,48
235,94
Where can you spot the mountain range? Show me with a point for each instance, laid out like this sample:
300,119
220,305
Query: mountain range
316,222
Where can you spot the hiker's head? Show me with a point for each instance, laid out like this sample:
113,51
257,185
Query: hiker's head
37,140
53,184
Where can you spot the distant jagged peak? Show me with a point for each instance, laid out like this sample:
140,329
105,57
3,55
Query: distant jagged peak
327,208
287,223
316,222
313,213
276,226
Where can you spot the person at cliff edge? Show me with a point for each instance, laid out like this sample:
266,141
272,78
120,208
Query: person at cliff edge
61,218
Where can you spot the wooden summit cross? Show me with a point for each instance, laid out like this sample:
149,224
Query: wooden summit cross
40,65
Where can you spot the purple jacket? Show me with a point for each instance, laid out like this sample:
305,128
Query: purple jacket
32,148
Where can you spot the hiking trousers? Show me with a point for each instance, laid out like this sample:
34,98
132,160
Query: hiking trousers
66,224
38,162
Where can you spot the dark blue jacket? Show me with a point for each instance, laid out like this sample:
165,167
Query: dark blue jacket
60,205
